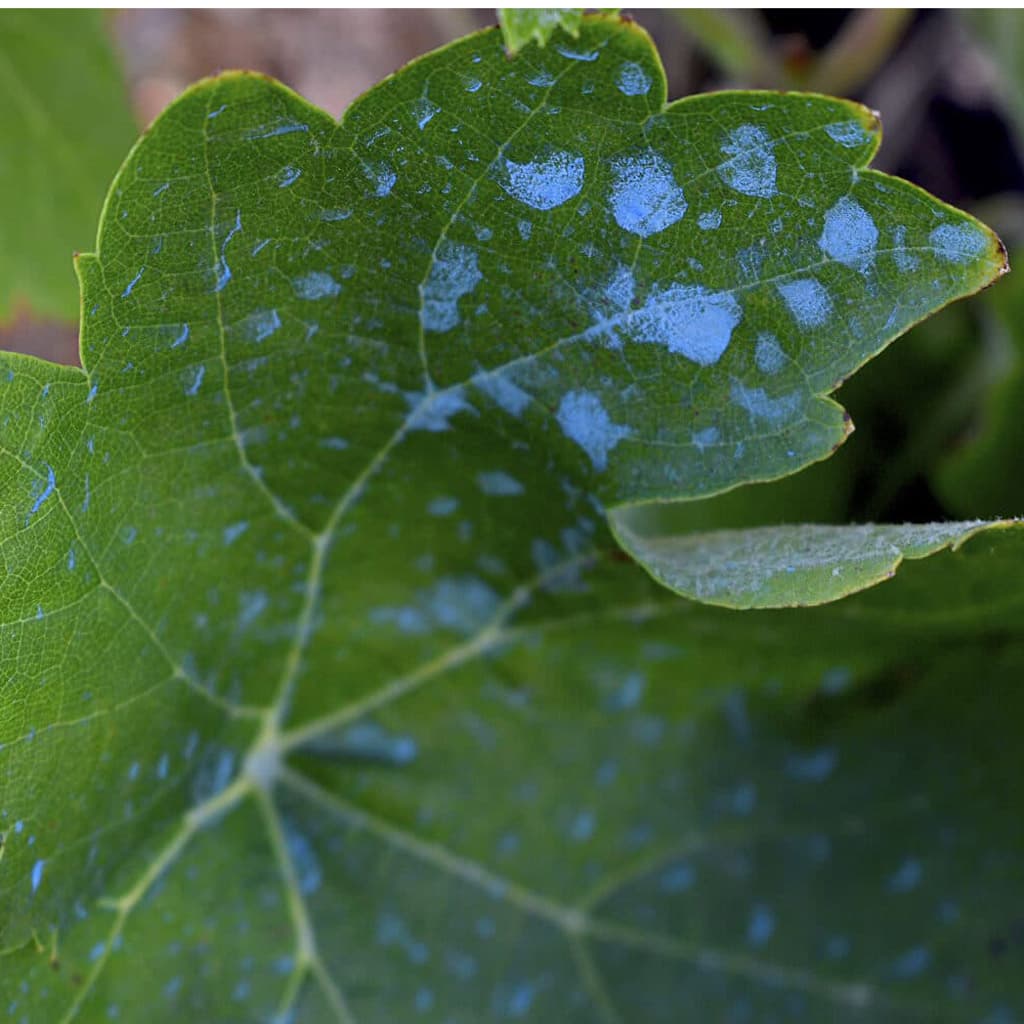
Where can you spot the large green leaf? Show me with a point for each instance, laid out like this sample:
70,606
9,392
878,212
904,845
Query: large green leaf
326,693
65,125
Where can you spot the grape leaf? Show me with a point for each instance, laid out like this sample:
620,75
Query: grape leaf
522,25
66,125
327,693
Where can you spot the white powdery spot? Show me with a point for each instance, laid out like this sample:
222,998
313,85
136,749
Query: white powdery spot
958,243
316,285
849,235
583,419
757,403
689,320
433,413
807,300
848,134
768,353
504,393
751,167
621,288
383,178
261,325
632,80
645,196
424,112
904,260
499,484
705,438
546,182
453,274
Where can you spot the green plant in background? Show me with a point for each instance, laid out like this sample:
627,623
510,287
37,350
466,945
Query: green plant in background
328,693
739,43
65,125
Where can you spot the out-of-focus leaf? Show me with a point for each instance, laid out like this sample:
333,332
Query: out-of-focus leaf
738,41
864,42
910,406
977,476
65,125
1001,30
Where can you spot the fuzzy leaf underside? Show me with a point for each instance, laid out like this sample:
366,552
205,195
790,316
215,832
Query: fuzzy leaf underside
788,566
327,693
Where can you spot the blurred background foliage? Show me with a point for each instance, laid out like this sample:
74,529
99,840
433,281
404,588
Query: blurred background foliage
937,431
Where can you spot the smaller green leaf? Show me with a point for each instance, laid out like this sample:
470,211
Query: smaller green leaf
787,566
520,25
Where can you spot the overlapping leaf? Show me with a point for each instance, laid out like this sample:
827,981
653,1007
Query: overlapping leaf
327,694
